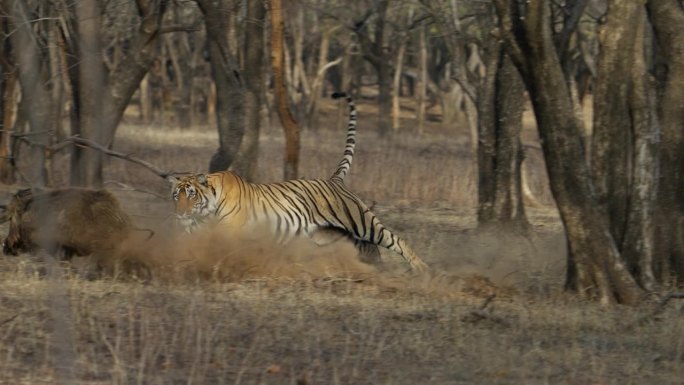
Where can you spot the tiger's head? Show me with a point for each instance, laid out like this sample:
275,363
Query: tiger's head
194,198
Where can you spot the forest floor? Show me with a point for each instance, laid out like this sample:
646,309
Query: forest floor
492,310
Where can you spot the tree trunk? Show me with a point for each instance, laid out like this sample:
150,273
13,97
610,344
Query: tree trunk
396,87
179,52
56,80
421,89
286,119
230,88
8,108
248,155
125,78
146,106
612,141
323,66
300,83
384,97
668,20
375,52
88,170
29,61
595,267
486,141
508,204
499,151
384,69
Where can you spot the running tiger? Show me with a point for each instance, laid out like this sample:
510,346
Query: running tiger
287,208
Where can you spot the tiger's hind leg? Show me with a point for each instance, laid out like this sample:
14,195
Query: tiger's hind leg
376,233
368,251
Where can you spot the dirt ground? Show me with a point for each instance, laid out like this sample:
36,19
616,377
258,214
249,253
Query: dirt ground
215,310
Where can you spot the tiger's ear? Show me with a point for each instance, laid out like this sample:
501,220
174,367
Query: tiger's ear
202,179
173,180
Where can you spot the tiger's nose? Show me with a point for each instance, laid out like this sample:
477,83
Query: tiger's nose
183,207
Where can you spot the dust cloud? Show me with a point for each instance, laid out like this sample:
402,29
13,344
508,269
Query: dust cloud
481,265
215,255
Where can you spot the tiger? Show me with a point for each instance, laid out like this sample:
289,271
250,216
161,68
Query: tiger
289,208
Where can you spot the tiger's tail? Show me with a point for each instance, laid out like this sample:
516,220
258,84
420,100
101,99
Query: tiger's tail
345,164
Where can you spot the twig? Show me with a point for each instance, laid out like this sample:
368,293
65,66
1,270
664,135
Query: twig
478,315
660,306
179,28
8,320
487,301
482,314
125,187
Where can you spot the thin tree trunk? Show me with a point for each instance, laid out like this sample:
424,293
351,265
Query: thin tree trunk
668,20
486,141
56,80
508,205
230,89
384,97
500,108
179,51
145,100
612,141
125,78
29,60
396,83
248,155
301,81
91,75
286,119
323,66
421,89
8,108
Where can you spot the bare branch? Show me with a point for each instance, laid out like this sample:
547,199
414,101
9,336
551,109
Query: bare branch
659,307
180,28
510,33
574,12
81,142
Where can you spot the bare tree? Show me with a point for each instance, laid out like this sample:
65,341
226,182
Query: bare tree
97,91
286,119
8,107
87,163
500,153
31,63
372,40
595,266
247,158
230,86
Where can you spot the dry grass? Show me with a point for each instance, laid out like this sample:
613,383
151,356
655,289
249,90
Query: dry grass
235,310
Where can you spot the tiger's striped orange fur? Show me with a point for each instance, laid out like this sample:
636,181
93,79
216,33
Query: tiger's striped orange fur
287,209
